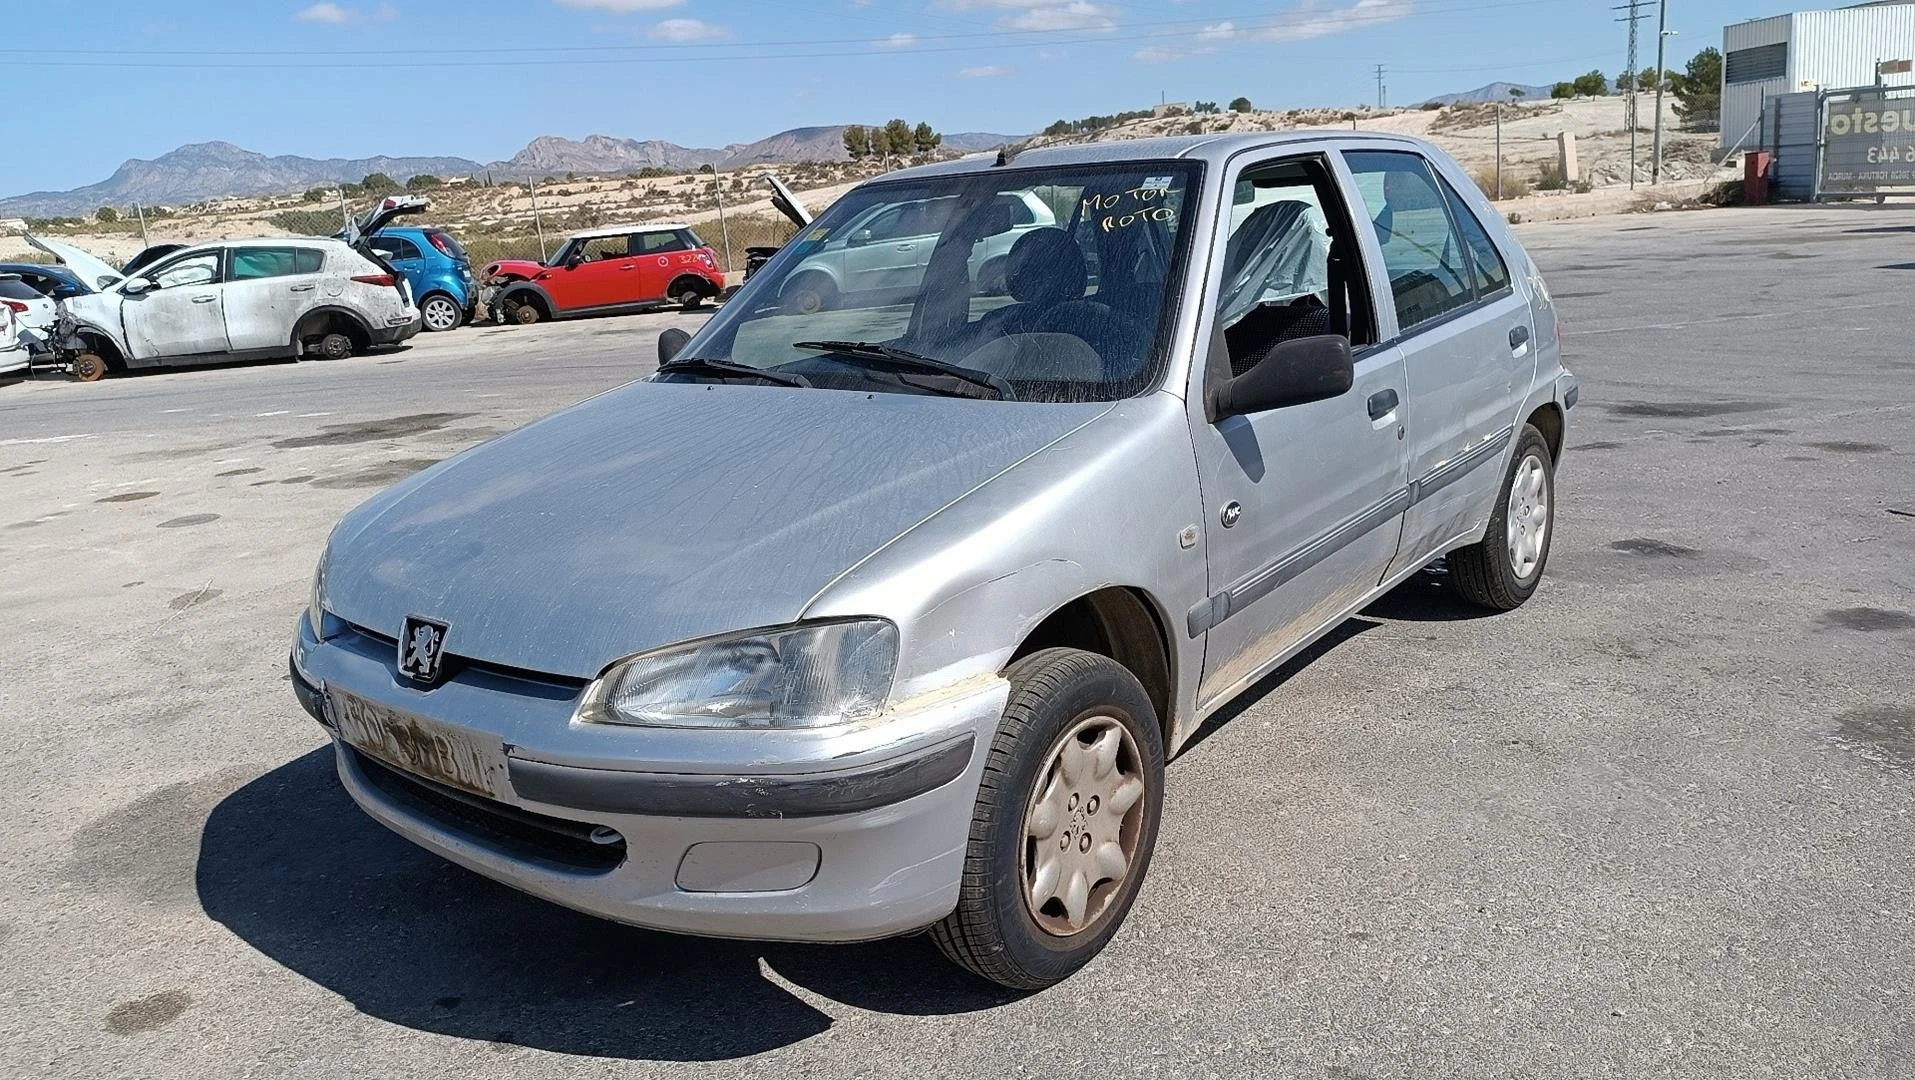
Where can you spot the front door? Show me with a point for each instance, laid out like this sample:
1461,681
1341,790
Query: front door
1465,332
607,275
267,291
1303,504
182,315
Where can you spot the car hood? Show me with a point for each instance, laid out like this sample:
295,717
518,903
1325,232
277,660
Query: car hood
92,270
521,267
657,513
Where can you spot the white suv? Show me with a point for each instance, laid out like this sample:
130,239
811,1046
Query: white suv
239,300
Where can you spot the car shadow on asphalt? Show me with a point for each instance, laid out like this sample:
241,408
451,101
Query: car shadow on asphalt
292,867
1425,597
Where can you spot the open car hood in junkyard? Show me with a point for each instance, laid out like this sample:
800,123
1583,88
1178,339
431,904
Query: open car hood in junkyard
658,513
786,203
93,270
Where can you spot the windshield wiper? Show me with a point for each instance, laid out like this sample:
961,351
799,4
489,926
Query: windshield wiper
725,369
896,359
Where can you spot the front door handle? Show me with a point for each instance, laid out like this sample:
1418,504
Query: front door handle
1381,403
204,299
907,247
1518,337
628,266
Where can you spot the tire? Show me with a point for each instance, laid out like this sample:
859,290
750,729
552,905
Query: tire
1502,570
440,314
520,314
688,294
334,346
809,293
88,367
1014,923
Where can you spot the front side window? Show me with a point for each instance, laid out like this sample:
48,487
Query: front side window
1069,304
1430,273
395,247
600,248
199,268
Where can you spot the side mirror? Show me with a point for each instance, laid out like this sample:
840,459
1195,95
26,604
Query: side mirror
1292,373
136,286
860,238
670,343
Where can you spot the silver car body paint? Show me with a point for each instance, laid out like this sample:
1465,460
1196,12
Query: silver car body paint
657,513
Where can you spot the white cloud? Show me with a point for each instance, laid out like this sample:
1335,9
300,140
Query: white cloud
1314,21
335,15
622,7
1157,54
1218,31
325,13
989,71
688,30
1044,15
896,41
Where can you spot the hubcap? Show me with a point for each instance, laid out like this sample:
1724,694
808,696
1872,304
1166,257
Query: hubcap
1528,516
440,314
1082,826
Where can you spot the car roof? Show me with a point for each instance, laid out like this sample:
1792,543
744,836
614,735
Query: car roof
273,241
1214,149
623,230
49,269
391,230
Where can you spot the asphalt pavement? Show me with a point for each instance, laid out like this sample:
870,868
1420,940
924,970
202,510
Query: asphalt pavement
1657,822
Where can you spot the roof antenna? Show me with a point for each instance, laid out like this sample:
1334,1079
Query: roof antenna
1004,155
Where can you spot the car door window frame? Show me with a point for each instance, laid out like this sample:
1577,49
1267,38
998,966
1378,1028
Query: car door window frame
221,259
1479,300
1361,314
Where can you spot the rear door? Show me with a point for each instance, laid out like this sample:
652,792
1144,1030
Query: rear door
267,290
183,314
1466,337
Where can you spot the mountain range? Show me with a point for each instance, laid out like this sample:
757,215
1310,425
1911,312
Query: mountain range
215,169
1496,91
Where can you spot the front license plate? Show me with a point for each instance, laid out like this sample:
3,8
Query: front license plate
440,752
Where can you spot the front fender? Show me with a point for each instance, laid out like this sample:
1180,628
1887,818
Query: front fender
1106,505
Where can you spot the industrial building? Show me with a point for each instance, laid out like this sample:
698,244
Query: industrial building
1807,51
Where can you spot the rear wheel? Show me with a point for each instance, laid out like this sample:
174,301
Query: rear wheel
334,346
1064,825
88,367
810,293
1503,569
440,314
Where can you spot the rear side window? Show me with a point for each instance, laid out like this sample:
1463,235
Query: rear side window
308,260
1430,273
689,240
15,289
448,243
1492,273
261,262
653,243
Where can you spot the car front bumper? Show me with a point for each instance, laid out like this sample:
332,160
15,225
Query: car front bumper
857,837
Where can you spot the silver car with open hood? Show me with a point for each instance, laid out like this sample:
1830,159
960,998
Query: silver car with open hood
863,619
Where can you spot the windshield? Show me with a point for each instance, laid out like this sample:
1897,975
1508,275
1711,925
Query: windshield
1055,283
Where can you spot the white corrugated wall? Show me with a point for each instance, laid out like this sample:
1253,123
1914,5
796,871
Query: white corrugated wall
1838,49
1742,102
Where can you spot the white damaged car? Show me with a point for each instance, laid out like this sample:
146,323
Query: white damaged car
234,300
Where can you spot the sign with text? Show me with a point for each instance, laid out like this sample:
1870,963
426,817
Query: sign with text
1868,142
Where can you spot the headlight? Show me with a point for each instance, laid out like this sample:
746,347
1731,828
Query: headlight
316,602
812,675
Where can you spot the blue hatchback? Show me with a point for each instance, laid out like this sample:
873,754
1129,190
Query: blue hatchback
435,265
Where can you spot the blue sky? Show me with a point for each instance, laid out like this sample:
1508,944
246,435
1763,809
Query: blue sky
477,79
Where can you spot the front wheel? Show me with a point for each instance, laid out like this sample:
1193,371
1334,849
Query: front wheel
88,367
440,314
1502,570
1064,825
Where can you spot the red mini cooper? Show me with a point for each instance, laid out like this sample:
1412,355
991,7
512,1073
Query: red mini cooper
613,270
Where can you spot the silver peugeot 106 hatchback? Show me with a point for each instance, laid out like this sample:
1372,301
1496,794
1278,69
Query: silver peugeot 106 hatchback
865,619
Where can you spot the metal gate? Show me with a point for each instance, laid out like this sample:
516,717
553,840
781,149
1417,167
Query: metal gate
1865,142
1793,136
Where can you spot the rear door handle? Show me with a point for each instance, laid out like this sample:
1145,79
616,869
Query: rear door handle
1381,403
302,288
204,299
1518,337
